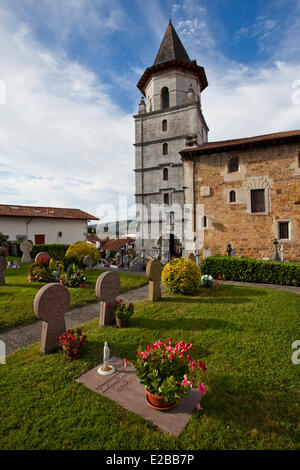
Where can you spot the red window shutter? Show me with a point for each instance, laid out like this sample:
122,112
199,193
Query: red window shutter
39,239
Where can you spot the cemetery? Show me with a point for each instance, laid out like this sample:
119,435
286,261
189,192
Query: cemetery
191,367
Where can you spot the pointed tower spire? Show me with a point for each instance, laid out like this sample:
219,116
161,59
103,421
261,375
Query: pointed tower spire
171,47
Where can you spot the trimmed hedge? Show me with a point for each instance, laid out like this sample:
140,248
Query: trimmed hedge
252,270
55,251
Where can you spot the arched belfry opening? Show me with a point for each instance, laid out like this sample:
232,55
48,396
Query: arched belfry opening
165,99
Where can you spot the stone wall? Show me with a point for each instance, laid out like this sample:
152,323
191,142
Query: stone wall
273,168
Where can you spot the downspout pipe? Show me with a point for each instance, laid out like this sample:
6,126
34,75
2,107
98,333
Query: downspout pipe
27,223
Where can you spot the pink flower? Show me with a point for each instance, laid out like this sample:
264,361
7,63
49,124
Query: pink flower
185,381
202,389
199,407
192,363
220,277
125,362
171,357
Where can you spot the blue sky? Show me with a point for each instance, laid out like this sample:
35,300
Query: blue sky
70,70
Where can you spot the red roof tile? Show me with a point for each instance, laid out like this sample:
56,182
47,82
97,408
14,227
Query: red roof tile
45,212
115,243
259,140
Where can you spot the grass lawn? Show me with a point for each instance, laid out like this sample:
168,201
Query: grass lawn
16,297
244,336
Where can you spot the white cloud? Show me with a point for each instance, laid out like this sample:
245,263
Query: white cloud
62,139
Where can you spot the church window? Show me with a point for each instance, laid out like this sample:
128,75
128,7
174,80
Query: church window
283,230
165,125
165,149
166,199
166,174
204,221
233,164
258,200
232,196
165,98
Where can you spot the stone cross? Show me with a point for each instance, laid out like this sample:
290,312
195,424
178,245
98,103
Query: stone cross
107,289
275,256
191,257
50,305
26,248
42,254
3,266
153,273
88,261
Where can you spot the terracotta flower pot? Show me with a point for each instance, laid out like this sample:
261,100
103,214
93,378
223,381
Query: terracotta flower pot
121,323
83,284
158,403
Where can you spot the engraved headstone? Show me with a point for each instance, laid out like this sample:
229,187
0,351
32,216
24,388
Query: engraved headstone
50,305
26,248
15,263
88,261
3,266
107,288
42,254
153,273
191,257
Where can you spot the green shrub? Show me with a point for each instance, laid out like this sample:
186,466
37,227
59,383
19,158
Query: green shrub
81,249
70,260
181,276
54,250
252,270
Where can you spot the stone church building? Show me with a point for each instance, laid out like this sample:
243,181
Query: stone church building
201,196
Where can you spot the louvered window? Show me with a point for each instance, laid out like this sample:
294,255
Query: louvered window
257,200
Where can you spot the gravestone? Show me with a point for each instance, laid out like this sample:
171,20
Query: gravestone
15,263
26,248
14,249
275,256
42,254
107,288
88,261
153,273
191,257
3,266
50,305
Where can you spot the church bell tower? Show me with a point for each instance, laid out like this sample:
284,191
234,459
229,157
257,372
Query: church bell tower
169,119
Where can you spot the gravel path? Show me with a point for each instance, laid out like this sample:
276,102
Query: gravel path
22,336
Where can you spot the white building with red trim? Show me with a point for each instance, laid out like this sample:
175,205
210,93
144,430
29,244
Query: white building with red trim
44,225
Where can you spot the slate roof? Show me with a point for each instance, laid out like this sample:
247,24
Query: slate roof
172,54
171,47
45,212
247,142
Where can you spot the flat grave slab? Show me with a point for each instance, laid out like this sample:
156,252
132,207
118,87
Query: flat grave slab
124,387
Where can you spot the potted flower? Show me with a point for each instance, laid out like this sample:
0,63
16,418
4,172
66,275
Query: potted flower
75,277
123,313
71,342
206,280
164,369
